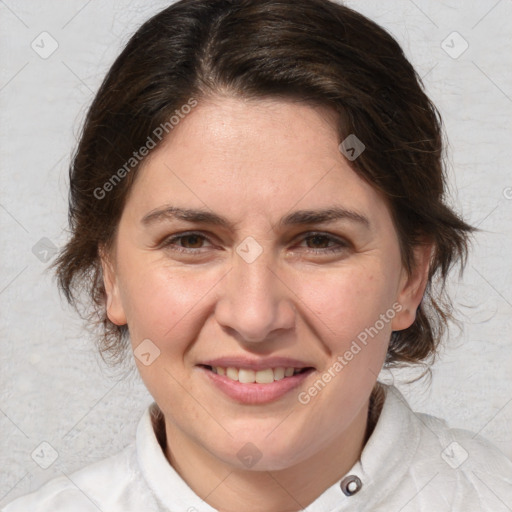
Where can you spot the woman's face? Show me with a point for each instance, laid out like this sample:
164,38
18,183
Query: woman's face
247,242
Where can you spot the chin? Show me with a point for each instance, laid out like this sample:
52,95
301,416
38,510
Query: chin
257,451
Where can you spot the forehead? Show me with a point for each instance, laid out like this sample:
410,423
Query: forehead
253,156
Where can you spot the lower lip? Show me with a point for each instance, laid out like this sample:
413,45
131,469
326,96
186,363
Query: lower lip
254,393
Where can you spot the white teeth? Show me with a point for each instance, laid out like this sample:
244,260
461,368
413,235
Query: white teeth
289,372
232,373
246,376
266,376
278,373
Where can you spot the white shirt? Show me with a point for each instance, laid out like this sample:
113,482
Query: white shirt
412,462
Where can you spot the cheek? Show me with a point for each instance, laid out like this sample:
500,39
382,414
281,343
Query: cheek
345,304
162,304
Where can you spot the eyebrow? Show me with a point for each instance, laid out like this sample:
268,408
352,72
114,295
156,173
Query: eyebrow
323,216
299,217
186,214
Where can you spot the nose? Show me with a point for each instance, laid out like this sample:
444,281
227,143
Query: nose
255,303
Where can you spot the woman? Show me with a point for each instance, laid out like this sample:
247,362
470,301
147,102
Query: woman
257,210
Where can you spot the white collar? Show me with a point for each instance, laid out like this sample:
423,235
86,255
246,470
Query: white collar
385,458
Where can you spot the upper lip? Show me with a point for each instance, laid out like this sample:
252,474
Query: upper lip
256,363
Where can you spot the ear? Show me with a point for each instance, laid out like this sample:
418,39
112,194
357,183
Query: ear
412,287
115,310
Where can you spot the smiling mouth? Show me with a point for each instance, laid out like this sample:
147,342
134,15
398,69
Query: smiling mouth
264,376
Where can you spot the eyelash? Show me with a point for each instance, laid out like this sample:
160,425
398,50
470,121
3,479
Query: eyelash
342,245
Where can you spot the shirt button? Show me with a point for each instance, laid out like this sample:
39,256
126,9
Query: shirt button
351,485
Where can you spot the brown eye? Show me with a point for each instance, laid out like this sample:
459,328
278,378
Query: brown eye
191,241
187,242
318,241
323,243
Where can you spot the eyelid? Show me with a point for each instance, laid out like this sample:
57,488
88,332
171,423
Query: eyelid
341,242
169,240
330,236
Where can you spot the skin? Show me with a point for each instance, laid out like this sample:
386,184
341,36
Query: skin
254,162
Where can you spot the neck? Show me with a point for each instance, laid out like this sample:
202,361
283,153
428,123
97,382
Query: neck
230,489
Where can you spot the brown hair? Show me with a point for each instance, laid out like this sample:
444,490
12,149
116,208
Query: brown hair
314,51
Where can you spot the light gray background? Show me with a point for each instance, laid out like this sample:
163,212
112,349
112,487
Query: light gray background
54,387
